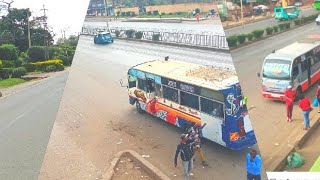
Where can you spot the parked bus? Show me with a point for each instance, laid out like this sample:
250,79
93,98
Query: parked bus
297,65
316,4
285,13
185,94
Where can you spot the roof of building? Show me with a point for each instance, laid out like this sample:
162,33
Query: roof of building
205,76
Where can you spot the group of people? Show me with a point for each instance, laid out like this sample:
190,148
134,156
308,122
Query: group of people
304,104
191,143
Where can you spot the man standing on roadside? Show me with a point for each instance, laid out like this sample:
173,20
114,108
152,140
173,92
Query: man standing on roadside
254,164
289,102
185,149
305,106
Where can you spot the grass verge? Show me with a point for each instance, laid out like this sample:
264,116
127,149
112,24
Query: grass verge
11,82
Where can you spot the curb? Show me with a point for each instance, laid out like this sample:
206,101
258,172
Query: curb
266,37
173,44
151,170
154,20
298,145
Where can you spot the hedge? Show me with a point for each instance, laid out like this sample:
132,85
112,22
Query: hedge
41,66
130,33
5,73
275,29
269,30
232,41
250,36
8,52
138,35
7,64
51,68
19,72
156,37
258,33
242,38
30,67
36,53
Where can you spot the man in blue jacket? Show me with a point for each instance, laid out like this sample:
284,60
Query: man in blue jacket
254,164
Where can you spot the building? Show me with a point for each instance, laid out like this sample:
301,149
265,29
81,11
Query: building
97,8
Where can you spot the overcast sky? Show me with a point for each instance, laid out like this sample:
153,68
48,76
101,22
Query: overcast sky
62,14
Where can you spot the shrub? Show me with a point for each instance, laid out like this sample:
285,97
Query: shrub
281,27
55,51
19,72
275,28
37,53
51,68
30,67
269,30
1,64
18,62
241,38
138,35
179,13
156,12
60,67
41,66
156,37
130,33
133,14
117,32
8,52
197,10
149,13
170,13
232,41
7,64
297,22
287,25
250,36
5,73
128,13
123,13
258,33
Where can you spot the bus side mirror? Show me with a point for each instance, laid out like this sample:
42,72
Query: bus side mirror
121,83
258,74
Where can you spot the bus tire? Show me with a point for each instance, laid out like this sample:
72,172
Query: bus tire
139,107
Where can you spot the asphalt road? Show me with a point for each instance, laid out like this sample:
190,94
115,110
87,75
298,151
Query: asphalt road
211,27
106,113
268,117
26,121
261,24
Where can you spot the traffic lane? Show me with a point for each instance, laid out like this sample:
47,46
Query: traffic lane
137,52
26,121
167,136
212,28
261,24
248,61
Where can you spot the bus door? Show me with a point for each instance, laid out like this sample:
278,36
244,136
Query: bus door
304,73
309,71
212,114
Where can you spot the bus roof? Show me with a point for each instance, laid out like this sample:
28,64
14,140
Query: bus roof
296,49
205,76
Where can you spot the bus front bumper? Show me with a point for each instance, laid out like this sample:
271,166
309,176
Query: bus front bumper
274,96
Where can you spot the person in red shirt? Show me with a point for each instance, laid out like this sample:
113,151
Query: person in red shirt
317,95
289,95
305,106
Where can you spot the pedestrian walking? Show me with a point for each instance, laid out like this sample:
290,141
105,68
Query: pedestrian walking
305,106
317,96
160,14
289,95
254,164
195,135
185,149
198,17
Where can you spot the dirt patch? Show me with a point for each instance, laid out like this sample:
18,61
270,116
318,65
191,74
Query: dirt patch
127,169
212,73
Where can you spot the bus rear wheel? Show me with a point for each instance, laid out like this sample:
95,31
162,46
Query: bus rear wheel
138,106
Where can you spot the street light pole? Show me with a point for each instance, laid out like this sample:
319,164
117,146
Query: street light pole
105,8
29,36
241,13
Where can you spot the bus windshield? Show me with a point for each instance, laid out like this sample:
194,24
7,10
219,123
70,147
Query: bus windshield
276,69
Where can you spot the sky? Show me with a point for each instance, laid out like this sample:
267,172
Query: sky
65,15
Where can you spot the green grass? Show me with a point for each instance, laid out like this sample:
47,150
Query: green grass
10,82
316,166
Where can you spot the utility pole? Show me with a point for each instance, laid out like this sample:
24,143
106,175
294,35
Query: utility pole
105,9
241,13
46,30
29,36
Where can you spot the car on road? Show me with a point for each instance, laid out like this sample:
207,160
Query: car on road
103,38
298,4
318,20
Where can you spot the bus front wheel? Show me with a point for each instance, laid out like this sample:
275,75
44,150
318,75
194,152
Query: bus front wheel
138,106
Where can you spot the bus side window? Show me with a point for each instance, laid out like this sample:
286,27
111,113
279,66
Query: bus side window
189,100
150,85
211,107
158,90
304,65
142,85
295,72
170,94
132,83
